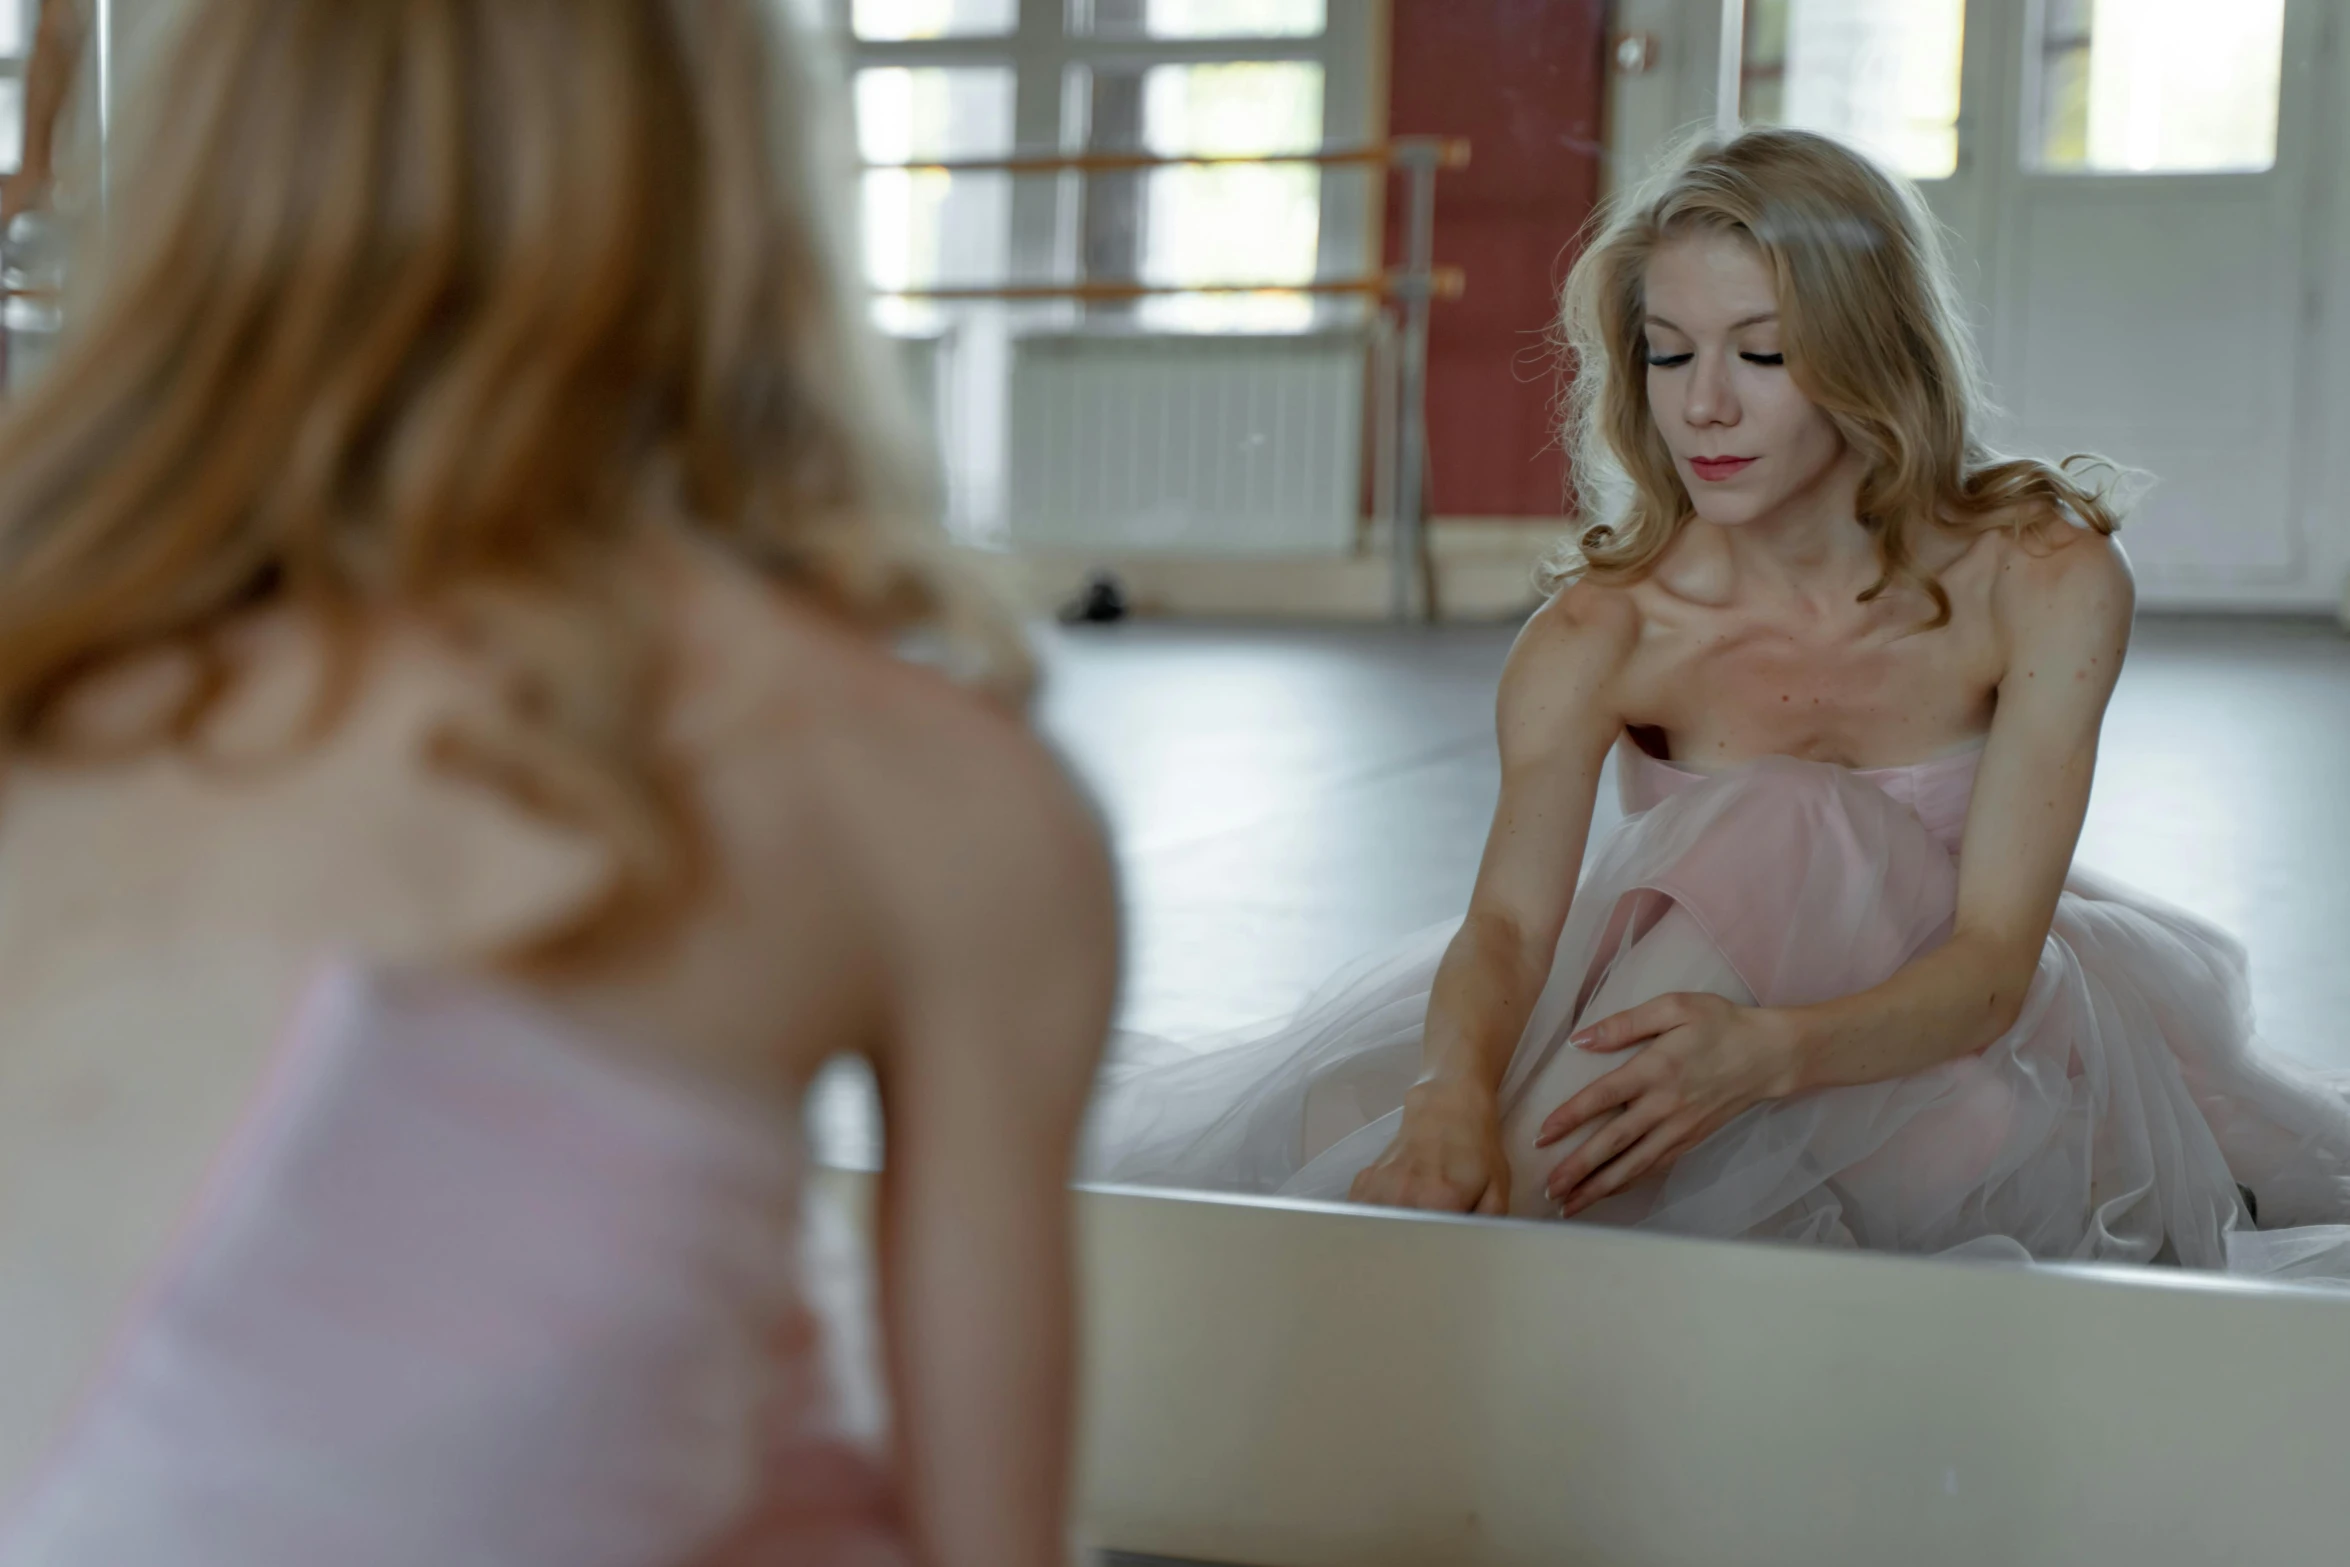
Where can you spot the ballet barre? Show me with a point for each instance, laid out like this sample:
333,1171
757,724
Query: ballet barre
1436,152
1400,456
1445,282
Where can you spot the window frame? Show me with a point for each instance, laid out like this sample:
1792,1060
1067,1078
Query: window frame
1044,49
1739,69
2031,105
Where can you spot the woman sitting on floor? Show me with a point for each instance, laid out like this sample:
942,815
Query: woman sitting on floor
1836,978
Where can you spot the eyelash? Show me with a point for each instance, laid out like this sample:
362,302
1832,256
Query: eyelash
1675,361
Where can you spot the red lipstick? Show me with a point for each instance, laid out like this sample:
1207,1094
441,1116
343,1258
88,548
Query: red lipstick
1716,469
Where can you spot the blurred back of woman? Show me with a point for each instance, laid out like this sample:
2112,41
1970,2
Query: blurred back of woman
456,786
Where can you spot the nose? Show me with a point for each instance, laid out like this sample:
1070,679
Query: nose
1711,399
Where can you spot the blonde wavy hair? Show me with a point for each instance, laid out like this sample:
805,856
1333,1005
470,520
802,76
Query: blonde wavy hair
1873,335
437,307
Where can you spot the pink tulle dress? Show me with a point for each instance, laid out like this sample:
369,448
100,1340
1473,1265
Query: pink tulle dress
2128,1116
469,1290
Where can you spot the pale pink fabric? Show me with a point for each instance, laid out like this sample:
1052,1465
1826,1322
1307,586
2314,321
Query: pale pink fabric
2114,1122
468,1291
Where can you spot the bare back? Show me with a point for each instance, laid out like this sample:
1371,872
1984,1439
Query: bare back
158,916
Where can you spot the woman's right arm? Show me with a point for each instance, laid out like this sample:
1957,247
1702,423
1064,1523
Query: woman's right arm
1556,718
999,918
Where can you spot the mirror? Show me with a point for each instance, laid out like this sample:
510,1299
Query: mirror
1615,879
1204,409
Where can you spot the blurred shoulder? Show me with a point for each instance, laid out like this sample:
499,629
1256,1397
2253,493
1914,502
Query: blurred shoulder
911,784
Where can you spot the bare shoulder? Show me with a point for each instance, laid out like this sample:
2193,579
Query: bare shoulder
927,811
1561,682
984,872
785,687
925,760
2057,577
1584,629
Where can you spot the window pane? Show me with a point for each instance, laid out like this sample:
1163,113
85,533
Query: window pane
11,125
925,227
1881,75
1201,18
1232,225
15,35
2160,86
900,19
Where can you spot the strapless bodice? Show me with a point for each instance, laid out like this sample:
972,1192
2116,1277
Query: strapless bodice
467,1287
1938,791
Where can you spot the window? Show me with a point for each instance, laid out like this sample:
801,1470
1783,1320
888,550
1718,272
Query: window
16,41
2159,86
1232,77
901,20
1880,75
990,79
925,228
1210,224
1200,18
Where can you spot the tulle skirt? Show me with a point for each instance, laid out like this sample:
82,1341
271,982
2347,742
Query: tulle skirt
2128,1116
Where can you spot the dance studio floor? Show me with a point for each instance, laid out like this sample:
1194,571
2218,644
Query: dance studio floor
1285,798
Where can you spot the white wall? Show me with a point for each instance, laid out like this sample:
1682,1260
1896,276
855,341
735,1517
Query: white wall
2325,517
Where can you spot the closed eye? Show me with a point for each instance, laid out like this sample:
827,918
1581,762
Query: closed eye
1675,361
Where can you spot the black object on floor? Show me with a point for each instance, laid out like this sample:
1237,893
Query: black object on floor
1100,602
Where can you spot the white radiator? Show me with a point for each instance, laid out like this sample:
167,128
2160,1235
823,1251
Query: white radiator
1186,444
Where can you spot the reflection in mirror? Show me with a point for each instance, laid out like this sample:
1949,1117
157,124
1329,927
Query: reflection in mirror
925,227
1222,224
1150,459
1085,302
32,272
1199,18
901,20
1827,972
1882,78
2170,87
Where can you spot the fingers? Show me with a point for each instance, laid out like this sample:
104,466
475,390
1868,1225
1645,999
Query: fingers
1620,1087
1382,1186
1604,1144
1662,1144
1628,1028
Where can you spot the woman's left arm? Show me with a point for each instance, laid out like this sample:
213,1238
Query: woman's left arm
2065,621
